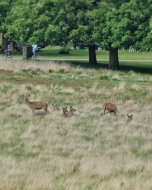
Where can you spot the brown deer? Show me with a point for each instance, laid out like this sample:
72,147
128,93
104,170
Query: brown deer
37,106
67,113
110,108
129,117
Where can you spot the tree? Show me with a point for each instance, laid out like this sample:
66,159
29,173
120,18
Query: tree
38,21
117,24
4,9
21,22
70,23
126,23
112,23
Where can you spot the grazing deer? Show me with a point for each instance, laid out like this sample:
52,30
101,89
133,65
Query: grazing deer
55,107
37,105
129,117
110,108
65,111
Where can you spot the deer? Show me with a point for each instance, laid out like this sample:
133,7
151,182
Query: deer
67,113
37,105
72,109
110,108
129,117
55,107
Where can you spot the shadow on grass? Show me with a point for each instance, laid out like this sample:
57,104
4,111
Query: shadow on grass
136,67
41,113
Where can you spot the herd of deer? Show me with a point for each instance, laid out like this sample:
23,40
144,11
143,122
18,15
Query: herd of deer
108,108
44,105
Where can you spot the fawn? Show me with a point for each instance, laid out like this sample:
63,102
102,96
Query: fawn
67,113
55,107
110,108
72,109
37,105
129,117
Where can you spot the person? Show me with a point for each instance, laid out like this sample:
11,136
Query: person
8,51
34,50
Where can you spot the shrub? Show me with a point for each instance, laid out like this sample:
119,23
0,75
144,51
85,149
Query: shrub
64,51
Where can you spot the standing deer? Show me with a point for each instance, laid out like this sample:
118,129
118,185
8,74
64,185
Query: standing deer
37,106
110,108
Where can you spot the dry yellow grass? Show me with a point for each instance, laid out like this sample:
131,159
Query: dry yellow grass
86,151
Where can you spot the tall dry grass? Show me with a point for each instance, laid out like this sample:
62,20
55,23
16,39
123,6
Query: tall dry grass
18,64
87,151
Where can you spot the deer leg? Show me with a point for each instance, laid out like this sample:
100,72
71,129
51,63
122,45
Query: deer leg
46,109
113,112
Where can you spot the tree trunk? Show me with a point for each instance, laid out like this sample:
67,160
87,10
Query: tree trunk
4,43
92,54
12,46
113,58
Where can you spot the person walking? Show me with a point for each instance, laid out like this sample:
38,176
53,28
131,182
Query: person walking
8,51
34,50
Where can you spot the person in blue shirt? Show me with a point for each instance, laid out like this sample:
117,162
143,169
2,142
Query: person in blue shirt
34,50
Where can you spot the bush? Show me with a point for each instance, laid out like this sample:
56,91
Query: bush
64,51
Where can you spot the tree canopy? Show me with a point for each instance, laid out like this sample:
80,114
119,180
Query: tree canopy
113,24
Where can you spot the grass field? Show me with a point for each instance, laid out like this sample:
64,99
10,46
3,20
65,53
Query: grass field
101,54
88,151
53,52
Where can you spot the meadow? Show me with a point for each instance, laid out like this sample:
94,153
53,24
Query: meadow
53,51
88,151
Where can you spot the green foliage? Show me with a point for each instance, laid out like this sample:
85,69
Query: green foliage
4,8
64,51
111,23
52,35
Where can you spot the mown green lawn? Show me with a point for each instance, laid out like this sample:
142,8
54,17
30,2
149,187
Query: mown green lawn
141,61
101,54
53,52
